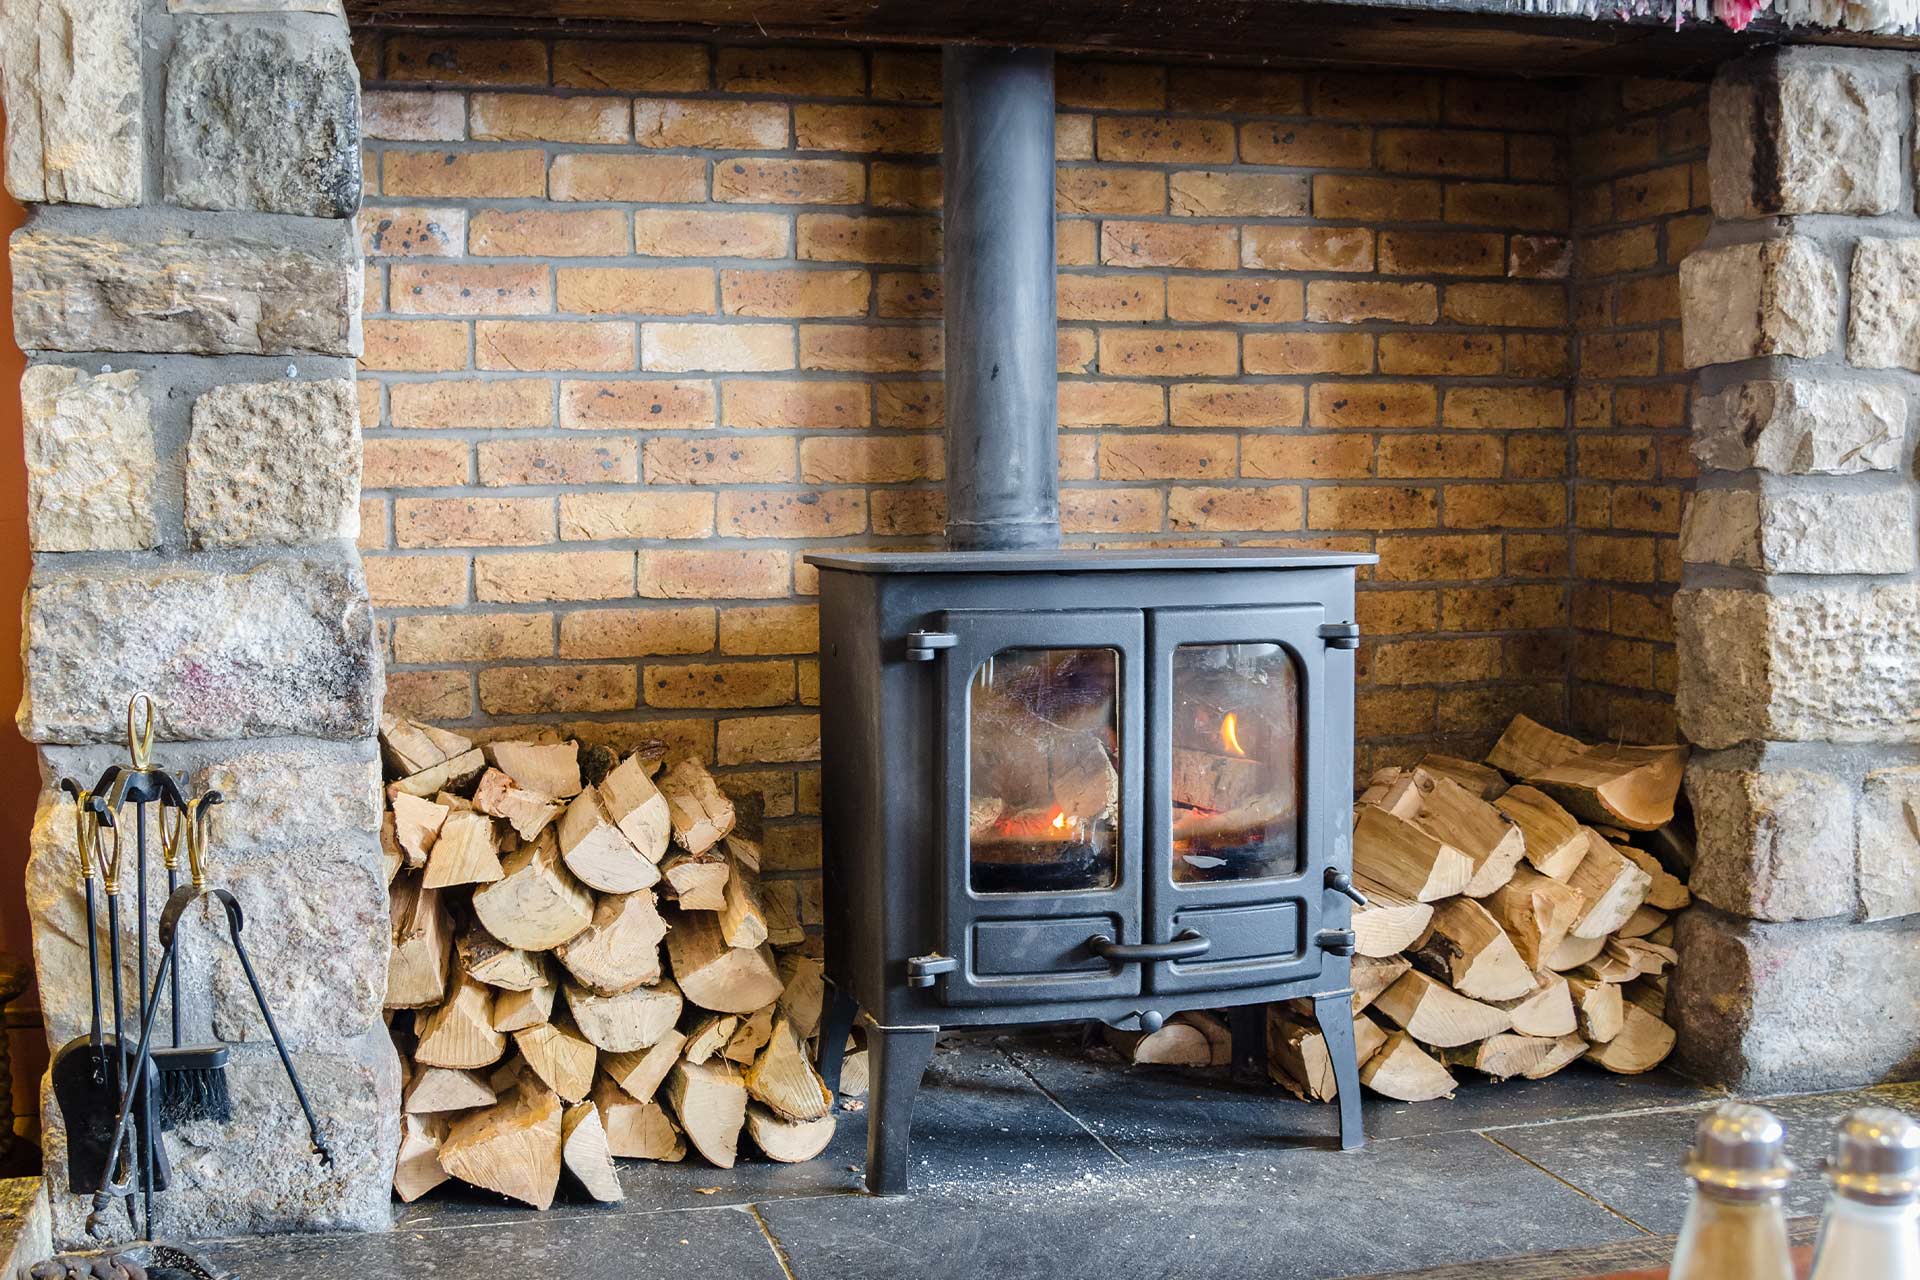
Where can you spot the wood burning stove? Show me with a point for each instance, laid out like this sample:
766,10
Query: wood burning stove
1068,785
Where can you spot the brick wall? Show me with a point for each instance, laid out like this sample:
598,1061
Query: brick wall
1640,205
646,321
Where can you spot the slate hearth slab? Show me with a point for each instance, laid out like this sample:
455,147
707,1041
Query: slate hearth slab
1147,1113
1302,1214
720,1244
1632,1162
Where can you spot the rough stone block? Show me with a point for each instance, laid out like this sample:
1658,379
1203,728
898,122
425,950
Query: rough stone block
1773,844
1890,843
274,463
263,117
1801,532
72,86
257,1174
1782,1008
1801,426
1773,298
1831,664
206,294
1883,330
90,460
285,648
1802,134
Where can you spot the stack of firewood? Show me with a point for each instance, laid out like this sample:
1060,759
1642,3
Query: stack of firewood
1517,922
535,886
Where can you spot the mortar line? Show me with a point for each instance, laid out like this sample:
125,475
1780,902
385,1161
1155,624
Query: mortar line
773,1241
1048,1094
1577,1190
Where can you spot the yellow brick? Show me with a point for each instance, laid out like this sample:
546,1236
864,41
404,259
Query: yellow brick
759,180
768,739
554,575
503,403
1386,613
1352,301
906,512
1448,152
1162,140
1487,506
684,123
1269,509
794,293
644,404
1216,193
472,637
1513,206
553,344
1458,355
1388,199
635,633
547,233
719,575
410,578
1308,457
1190,456
670,233
1371,404
1231,89
1075,243
1434,661
1370,507
1101,511
437,696
1505,408
466,59
541,117
657,291
412,464
1307,248
1239,299
835,237
590,517
1630,457
472,522
1209,246
485,175
892,130
871,459
1432,456
809,405
1115,86
1442,253
414,346
903,186
829,513
725,348
768,629
1108,190
1518,305
630,66
718,684
547,689
1072,136
906,75
1285,353
466,288
628,178
576,461
1537,355
1111,404
1372,96
850,348
1111,298
1440,558
808,73
907,295
414,231
412,115
1503,608
1161,353
1317,146
908,404
719,460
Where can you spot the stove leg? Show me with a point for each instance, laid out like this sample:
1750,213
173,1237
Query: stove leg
896,1059
1334,1012
836,1020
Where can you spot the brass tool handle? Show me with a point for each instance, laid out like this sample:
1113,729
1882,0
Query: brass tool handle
140,740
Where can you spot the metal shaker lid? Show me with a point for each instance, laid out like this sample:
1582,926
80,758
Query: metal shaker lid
1739,1147
1876,1156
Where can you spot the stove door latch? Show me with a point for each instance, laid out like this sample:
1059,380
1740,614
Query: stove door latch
1340,942
922,970
1341,635
922,645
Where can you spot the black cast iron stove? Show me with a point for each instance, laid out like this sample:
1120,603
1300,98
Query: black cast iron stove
1068,784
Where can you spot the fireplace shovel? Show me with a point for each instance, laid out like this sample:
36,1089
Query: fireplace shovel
86,1078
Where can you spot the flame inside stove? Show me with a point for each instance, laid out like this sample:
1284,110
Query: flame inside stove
1228,734
1059,819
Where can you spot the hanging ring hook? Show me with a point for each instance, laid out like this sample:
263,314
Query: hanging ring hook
140,740
199,831
107,809
174,824
86,826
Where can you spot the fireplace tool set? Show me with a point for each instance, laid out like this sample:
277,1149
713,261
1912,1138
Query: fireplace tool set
119,1098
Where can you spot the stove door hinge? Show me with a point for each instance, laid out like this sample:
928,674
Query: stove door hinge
923,970
922,645
1341,942
1341,635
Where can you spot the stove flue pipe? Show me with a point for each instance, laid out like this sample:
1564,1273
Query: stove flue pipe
1002,385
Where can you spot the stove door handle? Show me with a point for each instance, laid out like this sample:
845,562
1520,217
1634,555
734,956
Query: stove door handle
1185,946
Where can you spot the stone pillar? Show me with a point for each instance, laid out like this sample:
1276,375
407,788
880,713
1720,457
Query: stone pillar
188,291
1798,623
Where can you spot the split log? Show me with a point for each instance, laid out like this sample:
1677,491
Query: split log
1643,1043
709,1036
1374,974
1645,959
518,1010
718,977
547,768
1175,1044
1203,780
435,1089
1461,820
1297,1056
1485,782
449,775
1574,952
853,1074
787,1141
418,1169
537,904
743,922
620,950
803,993
1536,911
459,1032
780,901
640,1072
637,1130
1649,993
412,747
631,1020
1435,1014
1402,1070
527,812
485,958
1466,948
1641,923
1612,885
710,1103
392,856
465,852
422,941
560,1056
636,806
698,880
1219,1035
416,824
1506,1055
1552,835
512,1147
584,1153
1632,787
1667,892
1389,923
1546,1011
700,811
745,1044
1599,1007
598,852
784,1080
1396,854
